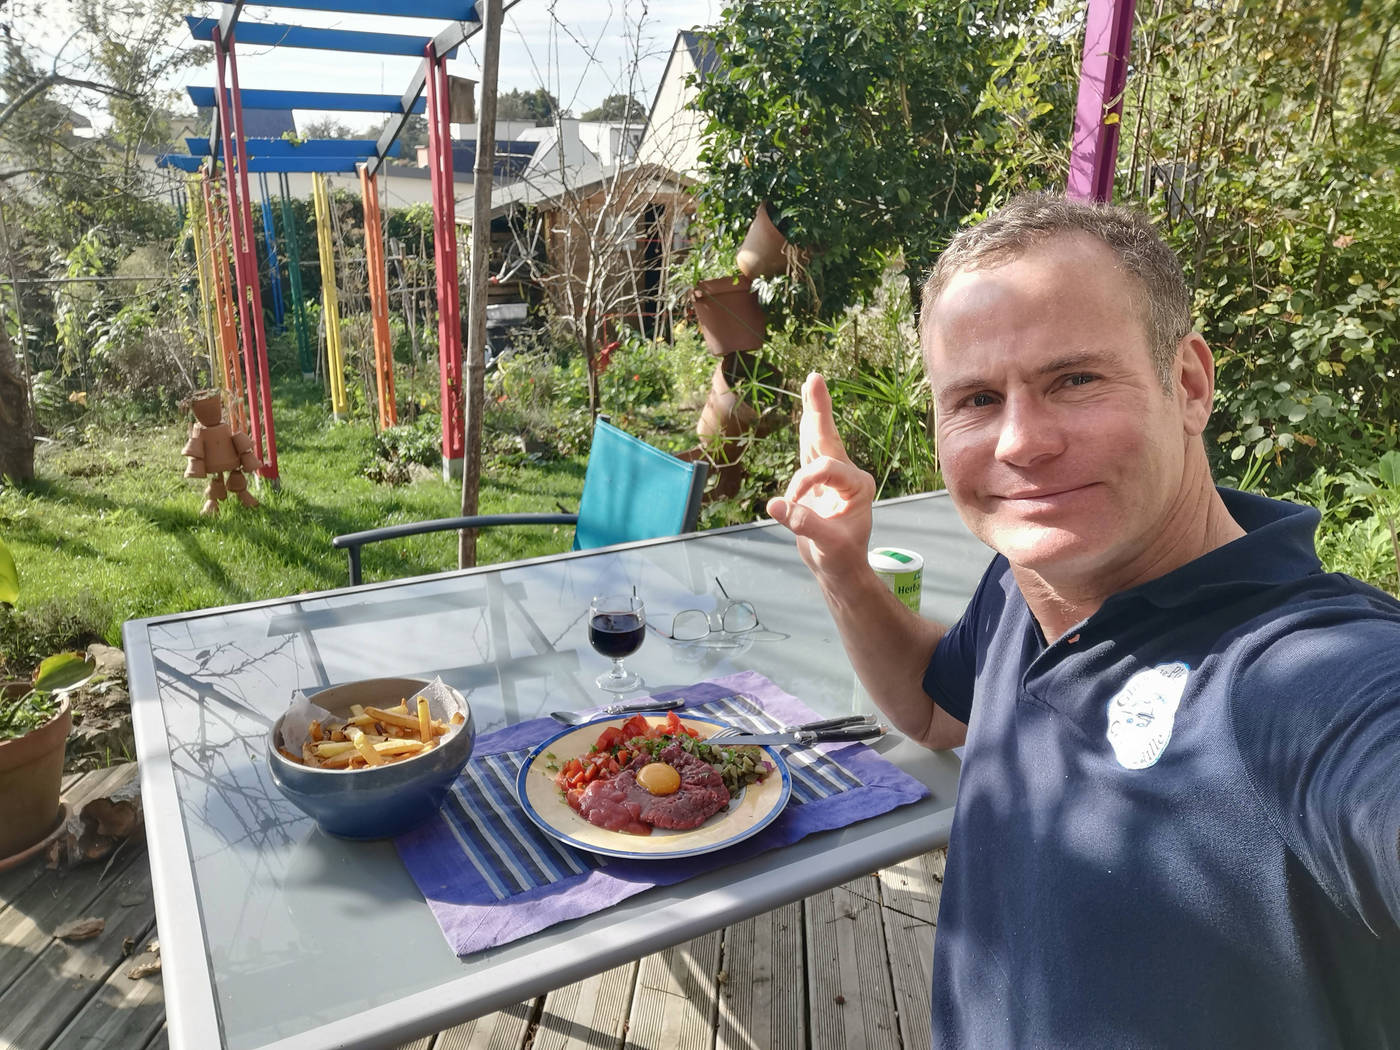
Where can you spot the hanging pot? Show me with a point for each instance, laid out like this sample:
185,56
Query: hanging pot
31,775
764,251
729,314
726,414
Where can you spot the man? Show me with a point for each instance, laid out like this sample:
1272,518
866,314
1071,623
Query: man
1178,818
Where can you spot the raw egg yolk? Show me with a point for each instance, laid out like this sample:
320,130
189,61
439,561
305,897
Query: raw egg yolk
659,778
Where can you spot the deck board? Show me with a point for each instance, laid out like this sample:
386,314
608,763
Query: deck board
588,1015
848,969
852,1001
762,986
674,1004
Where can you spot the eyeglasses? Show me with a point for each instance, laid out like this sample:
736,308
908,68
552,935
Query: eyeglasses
734,617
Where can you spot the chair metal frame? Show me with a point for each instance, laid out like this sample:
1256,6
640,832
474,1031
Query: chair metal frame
597,476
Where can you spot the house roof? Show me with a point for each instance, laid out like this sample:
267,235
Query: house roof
701,48
583,180
702,51
257,123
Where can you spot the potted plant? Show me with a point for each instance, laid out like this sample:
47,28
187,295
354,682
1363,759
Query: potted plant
727,307
35,718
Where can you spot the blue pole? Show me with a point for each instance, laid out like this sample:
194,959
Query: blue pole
274,271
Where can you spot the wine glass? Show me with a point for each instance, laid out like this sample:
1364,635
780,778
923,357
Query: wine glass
617,623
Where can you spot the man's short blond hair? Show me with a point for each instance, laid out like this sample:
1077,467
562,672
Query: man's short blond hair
1029,220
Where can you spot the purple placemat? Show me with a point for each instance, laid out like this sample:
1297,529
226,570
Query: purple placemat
491,876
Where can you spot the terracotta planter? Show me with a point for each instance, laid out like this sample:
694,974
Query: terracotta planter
725,414
31,774
729,314
764,251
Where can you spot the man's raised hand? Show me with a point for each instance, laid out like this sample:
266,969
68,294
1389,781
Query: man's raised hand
827,503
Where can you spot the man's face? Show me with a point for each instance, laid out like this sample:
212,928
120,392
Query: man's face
1056,438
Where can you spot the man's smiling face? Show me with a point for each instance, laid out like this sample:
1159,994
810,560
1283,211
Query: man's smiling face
1057,439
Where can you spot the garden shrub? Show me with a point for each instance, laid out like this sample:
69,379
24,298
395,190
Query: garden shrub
30,634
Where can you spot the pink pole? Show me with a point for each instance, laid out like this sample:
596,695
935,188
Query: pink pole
1108,35
445,258
254,287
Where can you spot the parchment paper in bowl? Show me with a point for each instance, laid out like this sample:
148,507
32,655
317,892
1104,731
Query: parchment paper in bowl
443,702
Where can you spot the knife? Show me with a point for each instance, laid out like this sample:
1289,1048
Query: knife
801,738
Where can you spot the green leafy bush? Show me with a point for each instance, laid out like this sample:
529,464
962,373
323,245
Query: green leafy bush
54,625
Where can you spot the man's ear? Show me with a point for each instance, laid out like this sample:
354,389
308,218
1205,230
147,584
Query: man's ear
1194,374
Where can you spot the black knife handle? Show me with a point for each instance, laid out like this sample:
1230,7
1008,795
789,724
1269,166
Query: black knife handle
861,732
832,723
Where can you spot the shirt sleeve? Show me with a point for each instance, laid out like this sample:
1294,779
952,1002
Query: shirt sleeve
1321,736
952,670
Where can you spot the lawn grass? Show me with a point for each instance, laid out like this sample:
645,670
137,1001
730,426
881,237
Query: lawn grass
110,530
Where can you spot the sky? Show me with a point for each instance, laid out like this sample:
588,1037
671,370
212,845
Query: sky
581,51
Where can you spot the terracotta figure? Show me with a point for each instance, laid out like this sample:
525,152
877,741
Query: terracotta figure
215,448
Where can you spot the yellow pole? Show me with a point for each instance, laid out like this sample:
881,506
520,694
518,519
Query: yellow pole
195,217
335,361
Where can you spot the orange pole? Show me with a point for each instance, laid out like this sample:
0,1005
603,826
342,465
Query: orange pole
378,298
223,308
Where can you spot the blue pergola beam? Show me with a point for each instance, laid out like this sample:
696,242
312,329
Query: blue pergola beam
271,34
447,41
455,10
338,148
325,165
338,101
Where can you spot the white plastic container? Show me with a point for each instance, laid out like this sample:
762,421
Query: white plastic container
903,573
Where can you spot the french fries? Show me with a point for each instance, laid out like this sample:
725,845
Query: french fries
372,736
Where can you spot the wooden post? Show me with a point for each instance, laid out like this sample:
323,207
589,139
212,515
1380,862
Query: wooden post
1108,34
480,275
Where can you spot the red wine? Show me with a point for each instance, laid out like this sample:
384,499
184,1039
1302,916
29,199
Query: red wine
616,634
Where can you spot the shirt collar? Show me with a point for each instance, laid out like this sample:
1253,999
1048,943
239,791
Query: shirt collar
1277,547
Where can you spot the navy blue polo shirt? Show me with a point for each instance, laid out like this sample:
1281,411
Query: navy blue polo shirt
1179,825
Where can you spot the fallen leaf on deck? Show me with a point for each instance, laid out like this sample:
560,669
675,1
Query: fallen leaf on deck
80,929
144,969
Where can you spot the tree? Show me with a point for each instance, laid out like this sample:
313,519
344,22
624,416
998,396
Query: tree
1265,140
328,128
538,105
80,204
617,107
412,135
850,118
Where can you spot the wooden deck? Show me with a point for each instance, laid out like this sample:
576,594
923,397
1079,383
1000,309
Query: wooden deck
844,970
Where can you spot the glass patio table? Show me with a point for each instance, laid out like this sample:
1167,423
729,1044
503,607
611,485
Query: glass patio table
274,934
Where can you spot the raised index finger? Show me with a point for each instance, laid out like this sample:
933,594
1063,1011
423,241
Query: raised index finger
816,433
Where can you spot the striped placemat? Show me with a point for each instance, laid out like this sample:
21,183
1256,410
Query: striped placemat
490,875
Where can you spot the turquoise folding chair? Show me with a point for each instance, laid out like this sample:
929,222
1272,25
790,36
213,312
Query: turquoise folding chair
631,491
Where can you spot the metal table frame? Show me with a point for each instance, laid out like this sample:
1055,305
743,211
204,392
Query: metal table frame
646,923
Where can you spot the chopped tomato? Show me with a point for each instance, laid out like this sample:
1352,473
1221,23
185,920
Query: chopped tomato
675,728
609,738
637,725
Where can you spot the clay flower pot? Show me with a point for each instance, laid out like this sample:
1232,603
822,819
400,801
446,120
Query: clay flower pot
764,251
31,774
729,314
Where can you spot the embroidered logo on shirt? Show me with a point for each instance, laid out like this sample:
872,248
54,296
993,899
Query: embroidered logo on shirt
1141,716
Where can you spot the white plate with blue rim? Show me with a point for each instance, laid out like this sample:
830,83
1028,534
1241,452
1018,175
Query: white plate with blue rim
753,809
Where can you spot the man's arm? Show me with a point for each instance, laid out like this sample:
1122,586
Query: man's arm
827,506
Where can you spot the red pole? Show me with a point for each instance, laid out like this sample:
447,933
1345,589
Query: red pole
254,286
235,229
445,260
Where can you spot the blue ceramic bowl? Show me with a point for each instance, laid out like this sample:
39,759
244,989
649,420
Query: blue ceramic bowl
379,801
